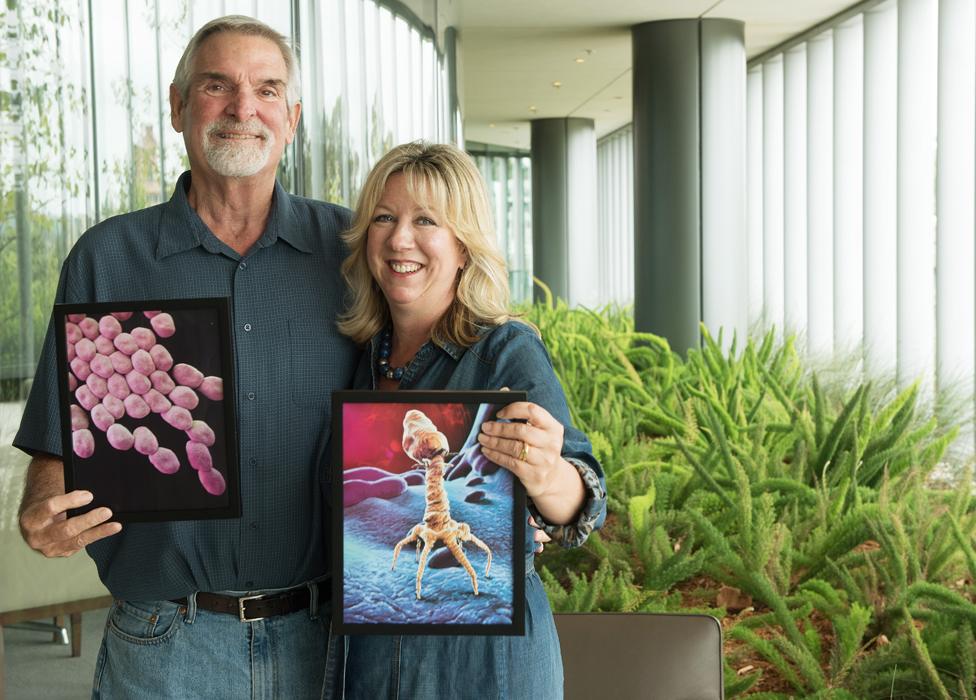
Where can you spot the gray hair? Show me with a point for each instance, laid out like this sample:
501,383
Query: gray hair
239,24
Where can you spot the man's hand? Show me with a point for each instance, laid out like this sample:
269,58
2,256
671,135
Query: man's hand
44,523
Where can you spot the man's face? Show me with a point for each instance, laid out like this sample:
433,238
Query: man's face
235,120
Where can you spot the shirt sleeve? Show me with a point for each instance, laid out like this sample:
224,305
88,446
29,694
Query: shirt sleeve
523,363
40,425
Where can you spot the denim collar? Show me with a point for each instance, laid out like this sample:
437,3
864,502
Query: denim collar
181,228
452,349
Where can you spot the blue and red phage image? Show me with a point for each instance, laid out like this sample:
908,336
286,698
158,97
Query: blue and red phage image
428,535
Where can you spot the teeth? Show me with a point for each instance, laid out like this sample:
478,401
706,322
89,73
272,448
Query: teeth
405,267
238,136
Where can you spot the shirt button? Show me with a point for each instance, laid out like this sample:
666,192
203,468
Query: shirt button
254,526
249,584
250,396
243,265
247,326
252,461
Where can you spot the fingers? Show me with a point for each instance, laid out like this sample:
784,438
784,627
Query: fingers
506,460
512,448
539,536
527,411
41,514
521,442
48,531
65,538
511,437
539,429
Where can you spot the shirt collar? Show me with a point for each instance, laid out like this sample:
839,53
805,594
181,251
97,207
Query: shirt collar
180,228
454,350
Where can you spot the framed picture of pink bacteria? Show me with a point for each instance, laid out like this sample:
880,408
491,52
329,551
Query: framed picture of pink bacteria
145,424
429,536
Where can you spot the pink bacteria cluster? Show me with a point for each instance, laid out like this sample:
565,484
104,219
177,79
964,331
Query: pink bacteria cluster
114,373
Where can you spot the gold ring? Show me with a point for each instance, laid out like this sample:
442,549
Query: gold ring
524,454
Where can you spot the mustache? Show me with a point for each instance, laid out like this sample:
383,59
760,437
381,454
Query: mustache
251,126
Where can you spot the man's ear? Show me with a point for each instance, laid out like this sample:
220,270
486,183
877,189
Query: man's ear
294,114
176,107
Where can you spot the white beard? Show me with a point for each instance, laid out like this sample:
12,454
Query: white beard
237,157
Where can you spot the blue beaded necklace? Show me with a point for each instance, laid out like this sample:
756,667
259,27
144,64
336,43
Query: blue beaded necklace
383,358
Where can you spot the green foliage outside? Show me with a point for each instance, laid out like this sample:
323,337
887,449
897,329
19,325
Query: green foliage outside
739,470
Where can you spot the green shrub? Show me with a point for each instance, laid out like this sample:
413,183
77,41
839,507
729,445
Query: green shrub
740,468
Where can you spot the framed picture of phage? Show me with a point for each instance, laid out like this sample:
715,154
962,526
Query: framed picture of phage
429,535
147,407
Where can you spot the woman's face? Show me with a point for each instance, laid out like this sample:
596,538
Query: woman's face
411,255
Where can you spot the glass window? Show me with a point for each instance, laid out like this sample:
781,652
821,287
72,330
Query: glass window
86,133
508,177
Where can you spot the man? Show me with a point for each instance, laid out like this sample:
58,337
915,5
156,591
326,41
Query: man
229,231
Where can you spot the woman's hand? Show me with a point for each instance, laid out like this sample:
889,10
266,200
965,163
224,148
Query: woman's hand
531,450
539,536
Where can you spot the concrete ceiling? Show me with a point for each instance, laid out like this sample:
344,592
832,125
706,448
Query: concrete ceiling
512,51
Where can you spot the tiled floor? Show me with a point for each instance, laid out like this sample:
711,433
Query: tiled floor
37,669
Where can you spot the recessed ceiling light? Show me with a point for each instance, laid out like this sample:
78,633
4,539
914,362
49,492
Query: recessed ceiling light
580,59
492,125
556,84
532,108
618,97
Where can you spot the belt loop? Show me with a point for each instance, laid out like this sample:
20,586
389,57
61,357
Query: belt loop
191,608
313,600
345,660
332,687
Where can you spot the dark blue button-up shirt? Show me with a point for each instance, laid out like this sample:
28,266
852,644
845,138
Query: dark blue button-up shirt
284,294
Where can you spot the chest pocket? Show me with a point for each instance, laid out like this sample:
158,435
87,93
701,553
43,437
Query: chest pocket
318,361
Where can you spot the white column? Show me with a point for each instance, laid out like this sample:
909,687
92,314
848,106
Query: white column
795,188
848,191
820,200
754,194
880,188
723,181
773,279
955,285
917,94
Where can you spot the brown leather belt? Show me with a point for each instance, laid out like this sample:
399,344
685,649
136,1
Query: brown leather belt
251,608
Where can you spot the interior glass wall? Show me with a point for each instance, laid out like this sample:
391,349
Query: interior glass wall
508,175
862,175
85,132
615,210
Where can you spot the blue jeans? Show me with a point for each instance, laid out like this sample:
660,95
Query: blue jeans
461,667
160,649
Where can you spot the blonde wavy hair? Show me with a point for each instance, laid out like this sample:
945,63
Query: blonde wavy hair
443,179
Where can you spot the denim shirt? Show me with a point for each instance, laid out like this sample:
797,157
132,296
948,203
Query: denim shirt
508,356
477,666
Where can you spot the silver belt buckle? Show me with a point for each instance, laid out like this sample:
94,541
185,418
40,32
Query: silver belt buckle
240,608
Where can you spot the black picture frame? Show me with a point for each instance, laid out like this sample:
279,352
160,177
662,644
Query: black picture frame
129,470
376,505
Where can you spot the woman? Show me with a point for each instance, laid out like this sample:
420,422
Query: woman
430,303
